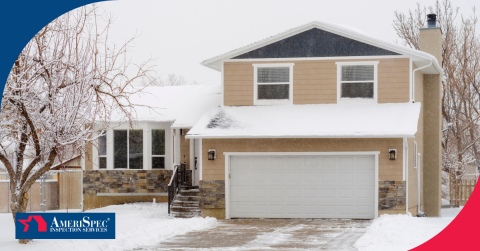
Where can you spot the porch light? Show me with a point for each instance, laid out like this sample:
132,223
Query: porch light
392,153
211,154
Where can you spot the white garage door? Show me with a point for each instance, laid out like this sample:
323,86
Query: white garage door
302,186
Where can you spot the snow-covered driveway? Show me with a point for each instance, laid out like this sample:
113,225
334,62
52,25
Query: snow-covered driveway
273,234
138,224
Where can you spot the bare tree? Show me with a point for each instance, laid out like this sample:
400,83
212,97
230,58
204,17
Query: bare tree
461,75
174,80
66,82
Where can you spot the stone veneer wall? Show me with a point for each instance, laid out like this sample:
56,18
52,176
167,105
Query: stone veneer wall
212,198
126,181
391,195
212,194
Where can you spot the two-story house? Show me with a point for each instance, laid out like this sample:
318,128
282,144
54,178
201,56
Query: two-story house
323,121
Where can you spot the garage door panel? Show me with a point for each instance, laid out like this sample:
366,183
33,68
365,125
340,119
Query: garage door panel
310,178
311,163
328,178
275,162
329,162
260,161
302,186
345,162
293,177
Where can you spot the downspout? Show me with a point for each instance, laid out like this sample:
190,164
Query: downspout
419,212
405,166
412,98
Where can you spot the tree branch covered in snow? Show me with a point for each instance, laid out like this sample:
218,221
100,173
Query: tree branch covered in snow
67,81
461,80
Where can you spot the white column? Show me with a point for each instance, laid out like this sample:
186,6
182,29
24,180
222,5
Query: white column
110,151
176,147
200,155
192,162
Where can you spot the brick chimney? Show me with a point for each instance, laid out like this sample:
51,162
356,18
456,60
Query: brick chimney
431,38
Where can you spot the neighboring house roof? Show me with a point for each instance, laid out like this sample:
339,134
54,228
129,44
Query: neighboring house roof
66,163
183,105
394,120
419,57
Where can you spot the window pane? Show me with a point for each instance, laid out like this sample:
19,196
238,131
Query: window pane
102,145
135,151
120,149
102,163
357,90
158,162
273,75
357,73
273,91
158,142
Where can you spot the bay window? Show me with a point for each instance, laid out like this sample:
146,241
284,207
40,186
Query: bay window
102,152
128,149
158,148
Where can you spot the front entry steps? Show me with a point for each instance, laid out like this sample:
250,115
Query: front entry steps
186,203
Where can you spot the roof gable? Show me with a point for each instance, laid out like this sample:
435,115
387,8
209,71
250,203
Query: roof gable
419,57
315,43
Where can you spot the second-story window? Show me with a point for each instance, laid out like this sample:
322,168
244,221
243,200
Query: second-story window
128,149
273,84
357,82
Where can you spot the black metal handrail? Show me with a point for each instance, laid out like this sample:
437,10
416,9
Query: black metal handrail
179,178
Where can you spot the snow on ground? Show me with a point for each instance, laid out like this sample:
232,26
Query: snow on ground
138,224
403,232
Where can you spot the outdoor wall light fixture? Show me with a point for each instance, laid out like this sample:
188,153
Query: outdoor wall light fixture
392,154
211,154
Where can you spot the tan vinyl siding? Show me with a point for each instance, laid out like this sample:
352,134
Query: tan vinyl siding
315,81
388,169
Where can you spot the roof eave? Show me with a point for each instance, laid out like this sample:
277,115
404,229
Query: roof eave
196,136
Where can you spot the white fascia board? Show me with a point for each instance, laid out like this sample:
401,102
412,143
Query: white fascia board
345,32
303,153
297,136
182,127
141,120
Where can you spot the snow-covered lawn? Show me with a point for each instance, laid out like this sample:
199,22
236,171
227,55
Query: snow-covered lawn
138,224
403,232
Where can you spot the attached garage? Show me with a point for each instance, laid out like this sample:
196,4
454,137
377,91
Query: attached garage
302,185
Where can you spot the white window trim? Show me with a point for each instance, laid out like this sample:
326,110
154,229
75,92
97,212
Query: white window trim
229,154
341,100
165,150
106,152
272,101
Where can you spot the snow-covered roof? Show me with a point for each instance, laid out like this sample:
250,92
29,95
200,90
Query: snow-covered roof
183,105
421,58
393,120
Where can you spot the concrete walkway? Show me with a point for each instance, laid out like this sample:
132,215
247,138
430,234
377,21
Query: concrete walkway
273,234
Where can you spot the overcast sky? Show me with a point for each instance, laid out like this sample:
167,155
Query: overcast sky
180,34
